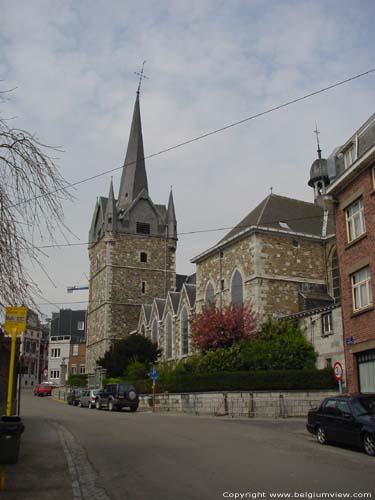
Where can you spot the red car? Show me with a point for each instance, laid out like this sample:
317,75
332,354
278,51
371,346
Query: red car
43,390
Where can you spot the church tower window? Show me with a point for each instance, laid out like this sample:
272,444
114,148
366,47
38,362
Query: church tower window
143,228
143,287
143,257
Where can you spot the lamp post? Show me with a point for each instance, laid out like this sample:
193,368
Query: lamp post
62,371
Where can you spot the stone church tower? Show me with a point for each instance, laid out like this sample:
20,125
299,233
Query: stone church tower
132,247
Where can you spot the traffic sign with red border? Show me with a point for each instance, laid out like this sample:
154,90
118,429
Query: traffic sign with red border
338,370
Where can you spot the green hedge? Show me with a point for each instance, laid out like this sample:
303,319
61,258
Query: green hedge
243,381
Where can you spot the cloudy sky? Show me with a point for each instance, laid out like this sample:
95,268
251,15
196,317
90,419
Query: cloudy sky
210,63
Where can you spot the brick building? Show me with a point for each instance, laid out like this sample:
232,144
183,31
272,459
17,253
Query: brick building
132,245
353,195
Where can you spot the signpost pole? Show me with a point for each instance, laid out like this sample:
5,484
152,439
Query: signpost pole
153,395
340,386
11,375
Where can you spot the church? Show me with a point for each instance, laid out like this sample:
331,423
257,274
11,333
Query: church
132,251
280,260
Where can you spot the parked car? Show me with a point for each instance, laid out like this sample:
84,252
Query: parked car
73,396
43,390
88,398
117,397
345,419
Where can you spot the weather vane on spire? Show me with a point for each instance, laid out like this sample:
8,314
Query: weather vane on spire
316,131
141,76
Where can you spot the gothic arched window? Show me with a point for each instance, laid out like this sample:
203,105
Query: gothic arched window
168,337
209,298
143,330
335,276
154,338
237,289
184,332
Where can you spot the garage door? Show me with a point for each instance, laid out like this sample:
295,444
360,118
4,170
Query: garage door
366,367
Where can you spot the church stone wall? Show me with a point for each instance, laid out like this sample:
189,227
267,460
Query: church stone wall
272,268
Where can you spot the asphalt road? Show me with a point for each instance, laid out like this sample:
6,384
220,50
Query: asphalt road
144,456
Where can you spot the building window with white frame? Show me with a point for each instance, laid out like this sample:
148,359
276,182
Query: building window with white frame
55,374
75,350
80,325
327,324
74,370
82,369
350,155
361,288
355,220
55,352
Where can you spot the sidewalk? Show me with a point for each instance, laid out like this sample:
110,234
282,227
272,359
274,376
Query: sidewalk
41,472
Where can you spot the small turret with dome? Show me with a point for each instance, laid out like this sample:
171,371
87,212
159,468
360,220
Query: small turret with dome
319,178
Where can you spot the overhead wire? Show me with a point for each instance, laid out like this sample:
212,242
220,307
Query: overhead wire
202,136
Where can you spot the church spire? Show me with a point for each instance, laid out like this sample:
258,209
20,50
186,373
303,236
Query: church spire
134,177
110,213
171,218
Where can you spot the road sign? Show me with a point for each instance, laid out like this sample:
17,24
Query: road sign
154,374
15,320
338,371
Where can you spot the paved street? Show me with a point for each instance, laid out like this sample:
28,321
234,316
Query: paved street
163,456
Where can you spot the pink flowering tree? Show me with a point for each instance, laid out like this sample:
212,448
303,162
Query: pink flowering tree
214,328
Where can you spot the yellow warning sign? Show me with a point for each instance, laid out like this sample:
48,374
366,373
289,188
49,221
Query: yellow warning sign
15,320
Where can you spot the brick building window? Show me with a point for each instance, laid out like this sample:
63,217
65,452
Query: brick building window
355,220
82,369
349,155
74,369
327,324
361,288
75,350
55,353
143,257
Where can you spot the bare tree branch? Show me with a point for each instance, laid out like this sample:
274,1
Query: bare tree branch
27,172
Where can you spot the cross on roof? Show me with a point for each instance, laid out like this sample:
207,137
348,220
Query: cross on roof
141,75
316,131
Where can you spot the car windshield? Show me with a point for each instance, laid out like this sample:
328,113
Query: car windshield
125,387
94,393
45,385
364,405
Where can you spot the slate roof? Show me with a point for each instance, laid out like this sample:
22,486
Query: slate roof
175,299
192,279
180,280
160,304
147,309
191,291
280,212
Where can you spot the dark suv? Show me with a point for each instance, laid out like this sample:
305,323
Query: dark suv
118,396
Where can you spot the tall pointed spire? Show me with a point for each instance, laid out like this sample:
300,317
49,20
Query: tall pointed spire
110,221
134,177
171,218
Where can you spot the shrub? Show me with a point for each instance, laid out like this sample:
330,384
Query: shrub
214,328
77,380
244,381
136,371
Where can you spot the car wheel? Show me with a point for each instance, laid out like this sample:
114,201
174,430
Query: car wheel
369,444
97,405
321,435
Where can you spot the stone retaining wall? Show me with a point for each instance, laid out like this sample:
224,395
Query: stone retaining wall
240,404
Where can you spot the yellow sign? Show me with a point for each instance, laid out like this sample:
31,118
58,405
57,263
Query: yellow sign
15,320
